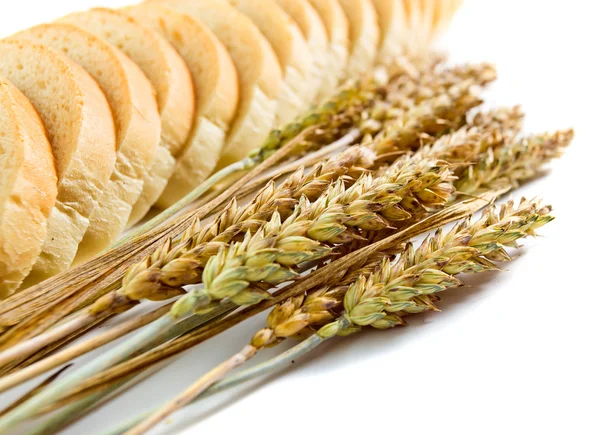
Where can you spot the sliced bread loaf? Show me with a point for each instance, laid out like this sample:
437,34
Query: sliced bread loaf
364,36
80,129
337,27
258,71
216,91
392,25
315,34
171,81
418,15
28,186
442,14
292,51
136,119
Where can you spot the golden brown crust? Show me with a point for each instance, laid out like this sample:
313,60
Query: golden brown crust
172,84
295,59
313,29
338,32
258,70
30,194
136,118
216,88
364,36
81,132
392,25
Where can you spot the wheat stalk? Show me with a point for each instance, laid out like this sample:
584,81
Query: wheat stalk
390,212
381,298
151,280
484,130
477,75
269,255
179,345
186,342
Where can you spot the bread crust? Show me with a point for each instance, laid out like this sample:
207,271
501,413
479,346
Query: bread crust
364,36
172,84
391,17
292,51
216,89
136,119
29,187
338,32
315,34
82,137
258,69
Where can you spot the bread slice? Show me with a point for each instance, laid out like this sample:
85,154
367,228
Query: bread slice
28,186
136,118
442,14
338,32
170,79
364,36
81,132
216,91
292,51
392,25
315,34
259,73
418,26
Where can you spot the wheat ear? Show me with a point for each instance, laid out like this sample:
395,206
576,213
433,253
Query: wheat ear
381,299
149,280
317,278
331,120
437,83
269,255
484,130
429,115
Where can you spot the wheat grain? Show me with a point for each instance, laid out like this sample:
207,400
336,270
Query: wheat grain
362,217
270,254
188,341
432,113
380,299
517,161
408,285
171,266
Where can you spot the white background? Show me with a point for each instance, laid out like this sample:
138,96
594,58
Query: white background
517,352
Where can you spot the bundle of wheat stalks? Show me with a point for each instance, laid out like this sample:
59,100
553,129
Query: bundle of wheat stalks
387,158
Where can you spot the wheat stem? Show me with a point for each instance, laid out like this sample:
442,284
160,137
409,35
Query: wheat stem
381,298
67,355
205,186
416,121
34,344
271,366
195,389
331,121
553,144
316,278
